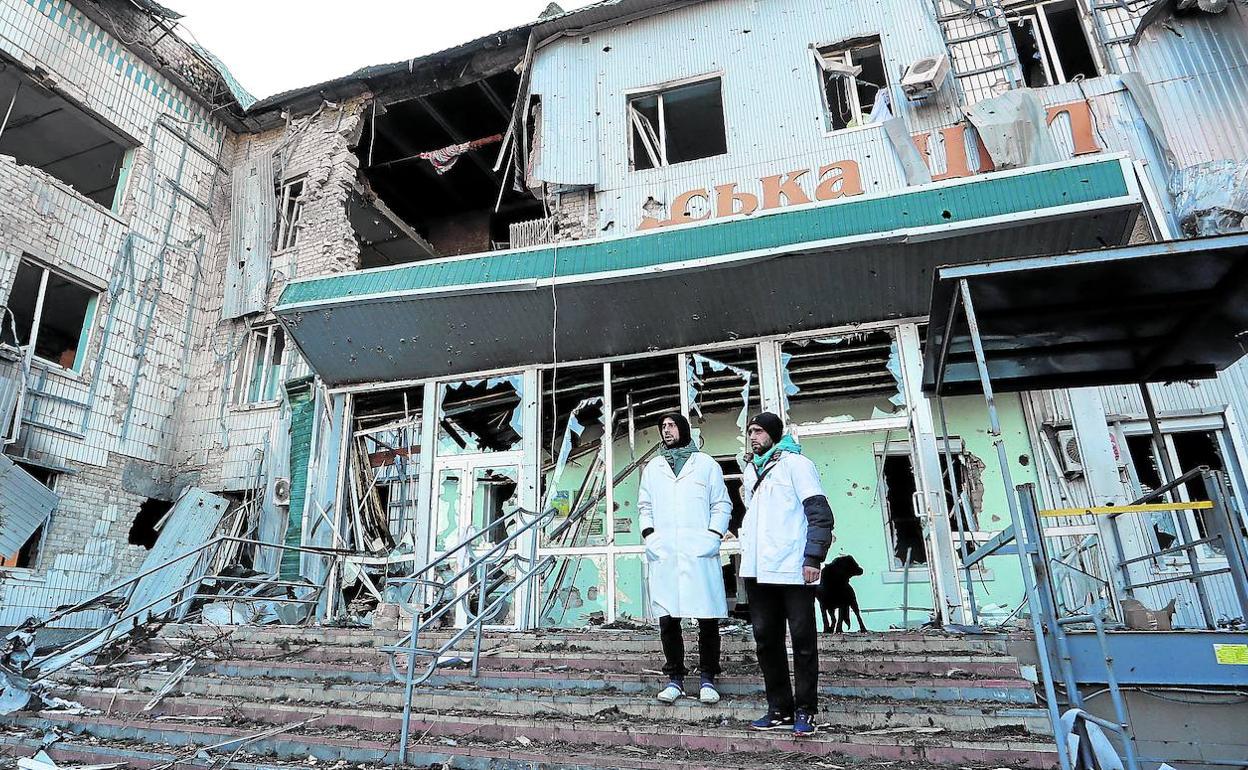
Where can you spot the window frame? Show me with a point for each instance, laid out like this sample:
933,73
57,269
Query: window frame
823,53
1036,15
88,322
271,374
286,234
658,92
41,532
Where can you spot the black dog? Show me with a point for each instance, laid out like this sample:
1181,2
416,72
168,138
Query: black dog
836,595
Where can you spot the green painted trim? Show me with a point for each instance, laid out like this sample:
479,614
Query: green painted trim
84,336
302,411
942,204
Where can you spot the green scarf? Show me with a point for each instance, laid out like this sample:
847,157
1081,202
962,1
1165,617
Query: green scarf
678,456
787,444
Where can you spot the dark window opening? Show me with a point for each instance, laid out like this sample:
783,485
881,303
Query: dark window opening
289,210
61,329
855,84
412,205
903,522
480,417
48,132
1194,449
144,529
1051,45
677,125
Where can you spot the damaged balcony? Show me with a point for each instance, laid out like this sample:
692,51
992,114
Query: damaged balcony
855,259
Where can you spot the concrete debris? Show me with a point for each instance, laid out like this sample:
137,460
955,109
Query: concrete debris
41,761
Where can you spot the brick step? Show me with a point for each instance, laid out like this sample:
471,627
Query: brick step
640,640
502,659
869,714
481,755
1011,690
358,735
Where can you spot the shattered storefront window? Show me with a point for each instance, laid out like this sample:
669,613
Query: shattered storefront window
642,391
481,415
843,378
723,395
574,474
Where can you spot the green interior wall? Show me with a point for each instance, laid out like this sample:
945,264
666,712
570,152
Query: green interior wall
302,412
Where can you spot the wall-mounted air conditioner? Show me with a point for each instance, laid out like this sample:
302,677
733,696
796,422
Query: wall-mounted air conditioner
925,76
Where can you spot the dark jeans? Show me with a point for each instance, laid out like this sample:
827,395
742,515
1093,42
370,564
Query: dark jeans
674,647
772,607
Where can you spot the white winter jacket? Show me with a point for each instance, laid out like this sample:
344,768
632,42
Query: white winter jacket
682,554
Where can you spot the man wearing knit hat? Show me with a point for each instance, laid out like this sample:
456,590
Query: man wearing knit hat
684,509
784,538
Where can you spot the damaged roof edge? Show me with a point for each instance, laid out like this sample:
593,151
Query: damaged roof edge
593,16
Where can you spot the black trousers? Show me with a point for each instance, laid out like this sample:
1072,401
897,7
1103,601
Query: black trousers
772,607
674,647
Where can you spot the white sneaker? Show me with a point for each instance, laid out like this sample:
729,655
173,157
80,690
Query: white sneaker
708,695
671,693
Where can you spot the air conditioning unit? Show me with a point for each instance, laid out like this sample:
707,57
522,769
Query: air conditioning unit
925,76
281,491
1068,452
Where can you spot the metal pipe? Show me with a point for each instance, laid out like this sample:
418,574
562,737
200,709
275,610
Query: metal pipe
1163,463
1115,694
1029,583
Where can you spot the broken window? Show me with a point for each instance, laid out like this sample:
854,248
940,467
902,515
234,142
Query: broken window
259,376
289,209
145,528
905,528
1187,449
481,415
52,312
1051,44
842,378
574,472
855,84
574,593
677,124
27,557
40,128
388,432
642,391
723,395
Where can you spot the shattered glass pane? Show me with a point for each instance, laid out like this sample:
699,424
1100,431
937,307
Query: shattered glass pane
446,511
631,594
493,497
723,395
854,376
574,593
481,416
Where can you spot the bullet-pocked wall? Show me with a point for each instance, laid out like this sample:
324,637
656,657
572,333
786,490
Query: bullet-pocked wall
124,244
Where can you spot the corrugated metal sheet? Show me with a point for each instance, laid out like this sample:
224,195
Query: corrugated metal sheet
774,114
1200,83
302,412
941,204
25,503
191,522
252,217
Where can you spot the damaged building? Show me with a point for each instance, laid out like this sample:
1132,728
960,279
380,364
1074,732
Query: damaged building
387,353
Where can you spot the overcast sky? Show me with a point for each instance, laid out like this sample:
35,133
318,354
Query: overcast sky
275,45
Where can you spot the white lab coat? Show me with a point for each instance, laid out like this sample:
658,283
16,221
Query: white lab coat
773,533
682,555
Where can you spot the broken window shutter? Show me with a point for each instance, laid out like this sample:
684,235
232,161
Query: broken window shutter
252,218
25,503
645,132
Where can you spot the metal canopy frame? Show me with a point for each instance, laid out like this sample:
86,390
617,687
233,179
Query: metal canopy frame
1129,315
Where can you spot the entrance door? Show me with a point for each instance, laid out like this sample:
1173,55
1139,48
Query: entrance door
475,494
870,483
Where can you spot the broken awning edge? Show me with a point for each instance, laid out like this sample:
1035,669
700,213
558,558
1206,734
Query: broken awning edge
1106,182
1157,312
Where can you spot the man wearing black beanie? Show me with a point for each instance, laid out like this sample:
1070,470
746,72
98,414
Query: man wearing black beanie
785,536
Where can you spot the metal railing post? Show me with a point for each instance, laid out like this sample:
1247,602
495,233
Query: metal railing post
1029,579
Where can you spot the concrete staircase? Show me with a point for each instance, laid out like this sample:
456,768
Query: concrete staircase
324,697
